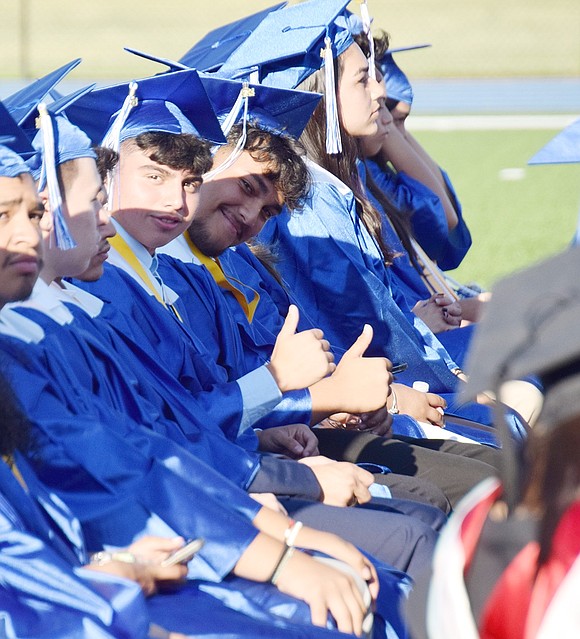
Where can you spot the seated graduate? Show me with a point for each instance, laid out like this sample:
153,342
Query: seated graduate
328,252
161,482
337,480
507,565
249,185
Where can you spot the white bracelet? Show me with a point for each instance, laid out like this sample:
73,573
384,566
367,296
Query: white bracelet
394,409
291,533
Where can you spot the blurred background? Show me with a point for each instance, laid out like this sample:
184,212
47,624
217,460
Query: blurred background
500,80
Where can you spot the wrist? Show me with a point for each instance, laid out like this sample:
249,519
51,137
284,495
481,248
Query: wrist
394,409
105,557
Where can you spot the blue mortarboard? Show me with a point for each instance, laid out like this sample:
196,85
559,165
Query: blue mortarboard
278,110
562,149
398,86
171,102
285,47
23,103
58,141
218,45
291,44
11,164
19,143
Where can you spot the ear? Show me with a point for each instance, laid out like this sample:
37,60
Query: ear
44,199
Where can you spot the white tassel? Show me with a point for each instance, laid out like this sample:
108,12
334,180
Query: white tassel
62,235
366,20
243,99
113,136
333,141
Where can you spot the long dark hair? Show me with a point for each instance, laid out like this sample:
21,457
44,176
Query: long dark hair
14,426
557,478
342,165
401,220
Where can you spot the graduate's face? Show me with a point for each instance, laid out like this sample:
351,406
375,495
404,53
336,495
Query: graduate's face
20,241
358,94
234,205
106,230
83,198
372,144
155,202
400,112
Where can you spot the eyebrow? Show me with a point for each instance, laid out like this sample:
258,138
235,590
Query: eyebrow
10,202
154,167
263,182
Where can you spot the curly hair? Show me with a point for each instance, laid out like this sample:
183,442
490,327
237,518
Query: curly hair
283,156
178,151
106,160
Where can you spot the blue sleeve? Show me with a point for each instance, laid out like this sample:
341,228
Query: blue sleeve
113,474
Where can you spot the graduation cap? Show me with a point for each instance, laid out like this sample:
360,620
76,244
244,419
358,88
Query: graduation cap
210,53
14,136
23,103
277,110
57,141
291,44
171,102
11,164
562,149
397,83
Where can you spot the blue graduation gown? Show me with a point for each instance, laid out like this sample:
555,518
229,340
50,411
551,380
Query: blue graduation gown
116,474
210,317
447,248
334,267
138,316
406,279
44,592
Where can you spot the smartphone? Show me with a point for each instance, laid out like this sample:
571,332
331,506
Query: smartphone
183,554
399,368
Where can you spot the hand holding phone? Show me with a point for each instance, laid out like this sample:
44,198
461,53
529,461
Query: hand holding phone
183,554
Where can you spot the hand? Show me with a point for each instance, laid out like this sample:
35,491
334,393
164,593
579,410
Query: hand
358,385
424,407
439,312
150,577
473,307
326,590
299,359
294,440
378,422
342,483
338,548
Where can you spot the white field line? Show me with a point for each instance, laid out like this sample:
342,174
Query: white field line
488,122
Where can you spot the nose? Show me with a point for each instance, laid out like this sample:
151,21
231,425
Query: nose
25,233
174,196
378,89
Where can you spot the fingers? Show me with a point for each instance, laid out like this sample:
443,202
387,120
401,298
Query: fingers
291,322
361,344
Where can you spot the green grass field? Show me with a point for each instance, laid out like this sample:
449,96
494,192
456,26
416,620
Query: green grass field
513,223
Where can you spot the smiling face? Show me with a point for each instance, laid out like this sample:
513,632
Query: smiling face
234,205
20,242
155,202
358,94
